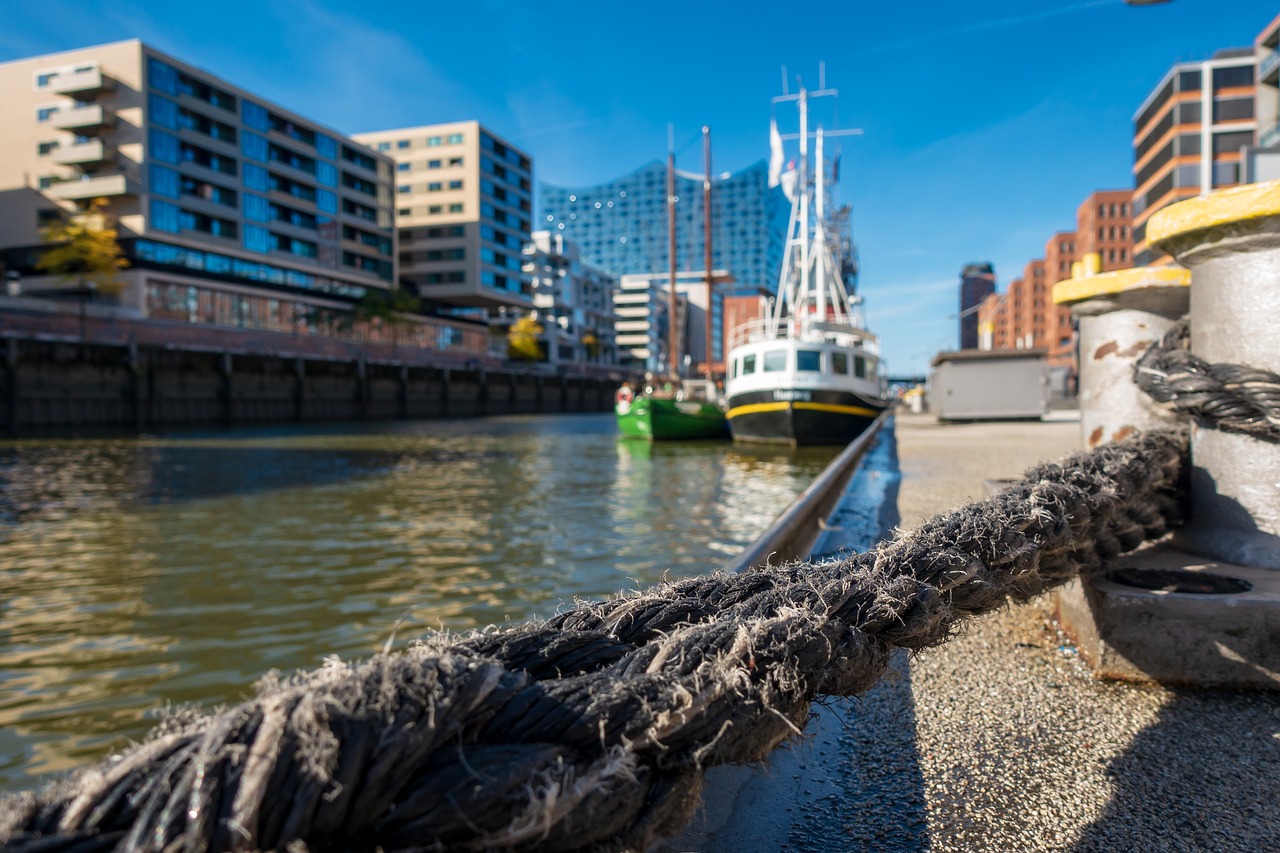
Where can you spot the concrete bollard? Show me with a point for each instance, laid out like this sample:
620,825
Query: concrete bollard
1120,314
1231,242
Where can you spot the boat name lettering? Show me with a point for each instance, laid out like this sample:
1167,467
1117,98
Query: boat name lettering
787,394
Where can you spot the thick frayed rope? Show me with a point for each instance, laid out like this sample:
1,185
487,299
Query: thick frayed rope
1229,397
592,731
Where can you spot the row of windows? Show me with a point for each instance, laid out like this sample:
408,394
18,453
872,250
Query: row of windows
429,141
515,158
44,79
433,233
165,78
1112,210
377,241
433,187
166,216
236,268
806,360
432,209
456,254
1110,232
168,114
454,163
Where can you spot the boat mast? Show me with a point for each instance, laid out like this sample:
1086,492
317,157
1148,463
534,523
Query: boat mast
820,234
672,356
802,190
706,226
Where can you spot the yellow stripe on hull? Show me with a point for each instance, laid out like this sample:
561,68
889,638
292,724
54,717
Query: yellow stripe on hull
819,407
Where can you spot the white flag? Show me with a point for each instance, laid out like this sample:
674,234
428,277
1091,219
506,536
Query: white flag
775,153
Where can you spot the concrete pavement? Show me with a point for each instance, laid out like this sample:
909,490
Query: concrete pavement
1001,740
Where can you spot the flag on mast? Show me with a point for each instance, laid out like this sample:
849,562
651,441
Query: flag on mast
775,153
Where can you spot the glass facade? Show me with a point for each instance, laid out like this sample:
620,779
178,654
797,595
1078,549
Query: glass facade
621,225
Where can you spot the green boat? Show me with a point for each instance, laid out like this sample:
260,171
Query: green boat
661,415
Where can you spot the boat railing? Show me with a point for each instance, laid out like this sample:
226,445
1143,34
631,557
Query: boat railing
761,330
755,331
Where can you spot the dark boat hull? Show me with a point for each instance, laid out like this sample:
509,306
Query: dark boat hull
807,418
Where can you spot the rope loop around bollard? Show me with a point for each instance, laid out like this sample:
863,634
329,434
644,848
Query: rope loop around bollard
592,731
1230,397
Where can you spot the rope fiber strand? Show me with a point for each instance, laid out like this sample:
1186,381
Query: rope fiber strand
1230,397
592,731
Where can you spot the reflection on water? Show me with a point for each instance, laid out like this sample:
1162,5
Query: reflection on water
142,572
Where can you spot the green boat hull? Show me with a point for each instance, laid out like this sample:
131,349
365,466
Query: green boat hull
660,419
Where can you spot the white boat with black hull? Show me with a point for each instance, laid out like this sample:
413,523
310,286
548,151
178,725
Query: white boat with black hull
810,372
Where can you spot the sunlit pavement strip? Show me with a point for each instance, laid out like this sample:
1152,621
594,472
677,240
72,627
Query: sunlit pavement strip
1000,740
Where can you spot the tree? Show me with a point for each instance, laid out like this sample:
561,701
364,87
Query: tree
85,249
388,308
524,340
591,344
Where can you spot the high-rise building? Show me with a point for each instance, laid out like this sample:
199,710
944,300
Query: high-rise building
642,303
572,299
621,225
1263,162
977,282
1189,135
231,209
463,201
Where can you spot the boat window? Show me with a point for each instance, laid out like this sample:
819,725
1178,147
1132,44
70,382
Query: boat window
808,359
859,366
871,369
775,360
748,364
840,363
734,374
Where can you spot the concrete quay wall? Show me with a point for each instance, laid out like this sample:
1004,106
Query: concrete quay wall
57,382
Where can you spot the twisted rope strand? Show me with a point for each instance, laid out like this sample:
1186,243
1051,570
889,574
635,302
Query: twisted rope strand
592,731
1230,397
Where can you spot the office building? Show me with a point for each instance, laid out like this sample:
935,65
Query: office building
463,202
642,305
572,300
1189,135
231,209
621,225
977,282
1263,159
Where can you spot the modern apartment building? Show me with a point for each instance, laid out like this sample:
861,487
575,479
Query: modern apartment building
621,225
977,282
231,209
572,299
1263,161
1189,135
464,211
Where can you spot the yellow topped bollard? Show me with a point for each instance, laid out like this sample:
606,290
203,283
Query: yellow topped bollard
1231,242
1120,314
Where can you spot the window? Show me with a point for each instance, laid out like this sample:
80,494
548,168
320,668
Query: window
256,177
434,187
433,141
1232,109
775,360
255,146
859,367
748,364
44,182
164,112
163,147
257,238
404,211
162,75
1189,81
164,181
808,359
326,146
455,185
43,80
455,162
164,216
403,143
435,208
840,363
455,138
257,208
433,164
404,188
384,146
255,116
455,208
43,148
402,167
45,113
1231,142
1231,78
327,174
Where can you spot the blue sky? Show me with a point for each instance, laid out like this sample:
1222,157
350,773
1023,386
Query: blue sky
986,122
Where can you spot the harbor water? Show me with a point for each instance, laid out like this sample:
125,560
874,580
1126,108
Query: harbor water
141,573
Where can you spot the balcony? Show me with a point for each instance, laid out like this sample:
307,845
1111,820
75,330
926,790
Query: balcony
81,154
1269,68
1270,138
88,81
82,118
84,189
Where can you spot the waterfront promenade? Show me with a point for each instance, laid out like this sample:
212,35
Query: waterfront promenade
1001,740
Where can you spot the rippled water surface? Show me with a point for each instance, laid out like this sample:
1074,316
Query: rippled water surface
137,573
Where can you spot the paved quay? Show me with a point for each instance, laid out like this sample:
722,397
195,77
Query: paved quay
1001,740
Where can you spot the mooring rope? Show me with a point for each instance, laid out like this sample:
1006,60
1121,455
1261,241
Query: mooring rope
1230,397
592,731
